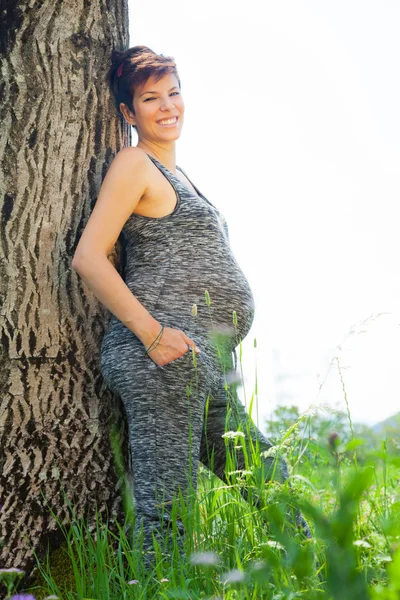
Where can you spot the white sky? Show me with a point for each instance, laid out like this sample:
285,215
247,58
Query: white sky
292,129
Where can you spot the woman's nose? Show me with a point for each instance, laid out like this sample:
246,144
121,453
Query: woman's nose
167,104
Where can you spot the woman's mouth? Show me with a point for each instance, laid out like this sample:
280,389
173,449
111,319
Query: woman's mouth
168,122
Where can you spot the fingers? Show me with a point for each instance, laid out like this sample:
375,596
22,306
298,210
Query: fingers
190,342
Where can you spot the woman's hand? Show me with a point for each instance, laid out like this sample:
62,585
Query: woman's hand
173,344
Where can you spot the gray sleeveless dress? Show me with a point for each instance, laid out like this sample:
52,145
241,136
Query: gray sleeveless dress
182,269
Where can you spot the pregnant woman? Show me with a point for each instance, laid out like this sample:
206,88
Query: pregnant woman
180,307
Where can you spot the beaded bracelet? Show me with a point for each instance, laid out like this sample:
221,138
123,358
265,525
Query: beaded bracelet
156,341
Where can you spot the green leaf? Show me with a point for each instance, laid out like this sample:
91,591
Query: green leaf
354,443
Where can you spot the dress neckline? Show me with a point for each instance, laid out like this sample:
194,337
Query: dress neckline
198,192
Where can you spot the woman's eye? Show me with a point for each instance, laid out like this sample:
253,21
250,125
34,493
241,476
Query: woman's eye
152,98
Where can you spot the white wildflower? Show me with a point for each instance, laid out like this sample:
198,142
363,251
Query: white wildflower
231,435
362,544
205,558
233,576
258,565
270,452
275,544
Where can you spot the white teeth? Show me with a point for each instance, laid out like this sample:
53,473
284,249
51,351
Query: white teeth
168,121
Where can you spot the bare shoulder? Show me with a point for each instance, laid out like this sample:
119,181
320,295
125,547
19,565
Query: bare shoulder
129,170
130,156
121,190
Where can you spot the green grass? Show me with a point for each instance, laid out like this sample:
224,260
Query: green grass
355,552
347,490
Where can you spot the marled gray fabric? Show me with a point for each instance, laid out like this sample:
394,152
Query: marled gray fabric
170,262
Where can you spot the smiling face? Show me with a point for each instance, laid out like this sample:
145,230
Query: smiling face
159,109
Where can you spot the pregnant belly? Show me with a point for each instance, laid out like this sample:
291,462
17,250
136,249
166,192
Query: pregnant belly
231,302
217,296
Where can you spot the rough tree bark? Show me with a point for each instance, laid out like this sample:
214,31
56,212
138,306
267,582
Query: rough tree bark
59,133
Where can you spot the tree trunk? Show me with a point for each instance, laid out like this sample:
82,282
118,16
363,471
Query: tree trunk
59,135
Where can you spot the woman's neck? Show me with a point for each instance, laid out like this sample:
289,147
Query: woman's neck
164,154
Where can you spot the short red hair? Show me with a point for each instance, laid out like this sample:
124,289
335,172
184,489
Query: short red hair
133,67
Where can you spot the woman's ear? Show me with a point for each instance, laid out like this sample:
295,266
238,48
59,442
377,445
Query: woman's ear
128,115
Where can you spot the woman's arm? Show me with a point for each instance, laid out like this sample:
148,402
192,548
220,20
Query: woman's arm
121,190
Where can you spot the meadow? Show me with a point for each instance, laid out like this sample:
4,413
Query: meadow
343,479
